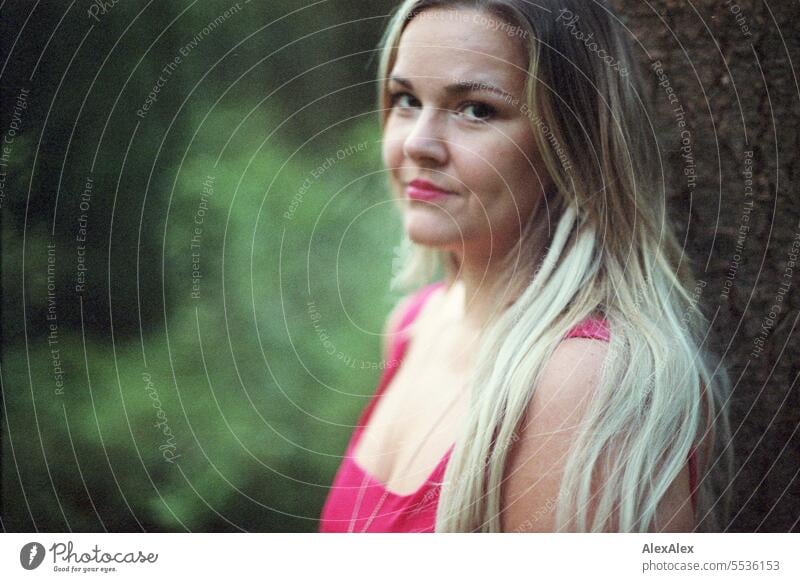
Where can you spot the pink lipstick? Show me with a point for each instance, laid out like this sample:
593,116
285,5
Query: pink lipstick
424,190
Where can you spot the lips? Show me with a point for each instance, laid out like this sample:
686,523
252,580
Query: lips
424,190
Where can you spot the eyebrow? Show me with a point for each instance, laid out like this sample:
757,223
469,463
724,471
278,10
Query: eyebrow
460,87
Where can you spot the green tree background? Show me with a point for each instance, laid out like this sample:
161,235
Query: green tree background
253,380
187,343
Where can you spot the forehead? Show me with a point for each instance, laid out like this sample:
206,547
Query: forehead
461,43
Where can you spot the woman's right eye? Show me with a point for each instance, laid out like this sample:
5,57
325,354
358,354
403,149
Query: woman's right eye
403,100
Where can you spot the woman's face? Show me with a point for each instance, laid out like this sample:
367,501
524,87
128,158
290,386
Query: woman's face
458,122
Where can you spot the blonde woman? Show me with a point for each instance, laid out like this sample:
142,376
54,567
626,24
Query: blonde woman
556,377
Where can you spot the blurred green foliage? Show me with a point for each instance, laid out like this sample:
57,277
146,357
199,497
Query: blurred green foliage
215,403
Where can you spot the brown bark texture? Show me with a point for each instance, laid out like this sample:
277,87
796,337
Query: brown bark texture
733,70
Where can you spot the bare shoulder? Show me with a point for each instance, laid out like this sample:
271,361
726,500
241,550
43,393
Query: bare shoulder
536,461
572,372
567,382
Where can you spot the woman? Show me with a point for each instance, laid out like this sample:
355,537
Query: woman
555,379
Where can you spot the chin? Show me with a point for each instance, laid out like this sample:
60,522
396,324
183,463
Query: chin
434,232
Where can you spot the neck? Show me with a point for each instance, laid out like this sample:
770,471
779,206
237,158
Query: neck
484,283
480,290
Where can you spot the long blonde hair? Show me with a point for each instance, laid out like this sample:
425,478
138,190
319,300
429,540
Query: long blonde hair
611,251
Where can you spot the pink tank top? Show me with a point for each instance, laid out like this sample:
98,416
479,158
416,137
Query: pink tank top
358,502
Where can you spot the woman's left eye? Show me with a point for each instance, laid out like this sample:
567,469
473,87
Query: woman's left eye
478,111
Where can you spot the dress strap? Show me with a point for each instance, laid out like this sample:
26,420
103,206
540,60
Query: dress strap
593,328
416,302
397,350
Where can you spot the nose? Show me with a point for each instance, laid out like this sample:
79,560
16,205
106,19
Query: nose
426,144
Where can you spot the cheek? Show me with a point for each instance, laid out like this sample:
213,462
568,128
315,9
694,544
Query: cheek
478,168
492,168
523,167
509,178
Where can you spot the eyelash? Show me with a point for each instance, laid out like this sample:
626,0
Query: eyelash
490,111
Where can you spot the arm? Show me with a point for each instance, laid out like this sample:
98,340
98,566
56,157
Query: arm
536,461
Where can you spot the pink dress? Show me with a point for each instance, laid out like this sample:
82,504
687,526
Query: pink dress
358,502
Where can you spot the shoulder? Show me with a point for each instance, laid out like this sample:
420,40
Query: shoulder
565,387
567,381
573,369
535,462
551,422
